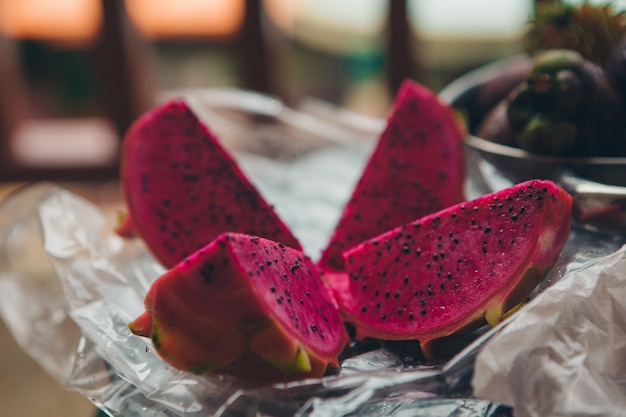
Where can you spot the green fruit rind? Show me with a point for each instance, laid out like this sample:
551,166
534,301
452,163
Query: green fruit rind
300,363
548,136
271,343
552,61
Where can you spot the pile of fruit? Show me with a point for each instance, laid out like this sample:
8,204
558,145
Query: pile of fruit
410,259
572,99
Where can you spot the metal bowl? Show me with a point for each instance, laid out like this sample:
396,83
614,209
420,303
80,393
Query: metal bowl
597,184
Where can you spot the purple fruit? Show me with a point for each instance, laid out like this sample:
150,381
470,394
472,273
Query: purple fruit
417,168
183,189
245,306
451,270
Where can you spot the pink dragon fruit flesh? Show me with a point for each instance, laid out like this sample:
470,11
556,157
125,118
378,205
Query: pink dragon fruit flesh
245,306
417,168
454,269
182,188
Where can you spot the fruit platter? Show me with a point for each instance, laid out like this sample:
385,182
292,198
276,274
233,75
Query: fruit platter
308,261
92,283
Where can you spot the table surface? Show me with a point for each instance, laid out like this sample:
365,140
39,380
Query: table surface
25,388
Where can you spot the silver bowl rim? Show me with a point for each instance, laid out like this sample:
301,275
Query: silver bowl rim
486,146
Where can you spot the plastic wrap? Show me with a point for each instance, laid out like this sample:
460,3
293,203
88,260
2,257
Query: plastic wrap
69,285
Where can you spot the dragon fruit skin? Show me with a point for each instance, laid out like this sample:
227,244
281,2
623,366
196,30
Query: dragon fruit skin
452,270
417,168
245,306
182,188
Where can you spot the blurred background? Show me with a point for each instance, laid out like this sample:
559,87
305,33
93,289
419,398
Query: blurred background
75,73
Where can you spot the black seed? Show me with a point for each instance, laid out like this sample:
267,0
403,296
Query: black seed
207,272
411,317
423,312
295,266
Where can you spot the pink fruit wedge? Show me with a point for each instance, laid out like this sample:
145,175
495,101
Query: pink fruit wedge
182,188
245,306
417,168
451,270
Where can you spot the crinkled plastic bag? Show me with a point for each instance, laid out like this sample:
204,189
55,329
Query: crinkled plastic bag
69,286
565,353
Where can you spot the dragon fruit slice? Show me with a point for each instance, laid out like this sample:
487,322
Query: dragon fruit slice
417,168
451,270
246,306
182,188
